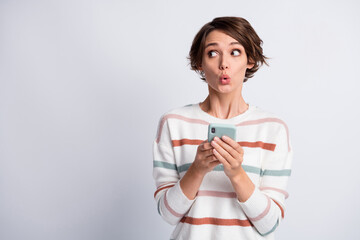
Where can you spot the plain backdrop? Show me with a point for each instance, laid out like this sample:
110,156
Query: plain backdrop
83,85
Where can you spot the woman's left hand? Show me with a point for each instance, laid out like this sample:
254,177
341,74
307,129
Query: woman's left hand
230,154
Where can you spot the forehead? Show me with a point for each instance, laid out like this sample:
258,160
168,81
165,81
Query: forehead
220,38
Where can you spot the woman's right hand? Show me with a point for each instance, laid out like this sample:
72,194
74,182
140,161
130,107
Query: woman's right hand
205,160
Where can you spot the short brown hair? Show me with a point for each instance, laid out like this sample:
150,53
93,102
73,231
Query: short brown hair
237,28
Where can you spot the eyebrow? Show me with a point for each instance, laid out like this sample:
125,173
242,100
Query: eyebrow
216,44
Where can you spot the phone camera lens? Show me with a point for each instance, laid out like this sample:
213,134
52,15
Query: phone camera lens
213,130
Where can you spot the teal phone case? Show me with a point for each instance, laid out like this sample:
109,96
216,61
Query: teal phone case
219,130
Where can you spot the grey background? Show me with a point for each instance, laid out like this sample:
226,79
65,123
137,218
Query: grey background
84,83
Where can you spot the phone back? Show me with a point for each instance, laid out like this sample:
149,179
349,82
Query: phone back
219,130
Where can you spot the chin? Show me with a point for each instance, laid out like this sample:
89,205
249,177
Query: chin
225,89
228,88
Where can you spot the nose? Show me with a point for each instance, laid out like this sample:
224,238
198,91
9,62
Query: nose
223,63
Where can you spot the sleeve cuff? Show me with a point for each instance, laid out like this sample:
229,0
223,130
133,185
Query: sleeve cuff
255,205
177,199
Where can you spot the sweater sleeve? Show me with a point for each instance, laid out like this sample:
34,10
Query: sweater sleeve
172,203
265,207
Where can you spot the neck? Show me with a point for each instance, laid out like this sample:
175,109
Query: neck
224,106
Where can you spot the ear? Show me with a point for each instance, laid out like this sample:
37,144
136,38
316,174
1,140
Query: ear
250,64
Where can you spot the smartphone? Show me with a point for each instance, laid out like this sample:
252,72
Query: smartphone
219,130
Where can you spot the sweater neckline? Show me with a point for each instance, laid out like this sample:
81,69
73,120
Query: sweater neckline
236,118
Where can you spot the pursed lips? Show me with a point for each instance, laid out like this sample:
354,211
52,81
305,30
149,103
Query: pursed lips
225,79
224,76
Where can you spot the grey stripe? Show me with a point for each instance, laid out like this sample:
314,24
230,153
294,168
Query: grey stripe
273,229
158,207
285,172
184,168
165,165
248,169
251,169
219,168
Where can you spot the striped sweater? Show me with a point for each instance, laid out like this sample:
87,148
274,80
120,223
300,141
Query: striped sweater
216,213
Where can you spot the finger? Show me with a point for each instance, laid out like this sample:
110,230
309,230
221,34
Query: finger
235,145
221,158
228,149
206,146
208,153
211,158
201,146
219,149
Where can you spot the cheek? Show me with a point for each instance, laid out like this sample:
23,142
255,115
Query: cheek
240,68
210,68
210,76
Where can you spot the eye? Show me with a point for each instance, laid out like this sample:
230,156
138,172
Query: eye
212,53
235,52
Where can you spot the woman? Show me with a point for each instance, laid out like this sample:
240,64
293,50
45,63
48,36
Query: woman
225,189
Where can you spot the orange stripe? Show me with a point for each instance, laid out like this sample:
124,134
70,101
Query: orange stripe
162,189
199,121
178,143
259,144
216,221
266,146
161,185
282,210
264,120
177,116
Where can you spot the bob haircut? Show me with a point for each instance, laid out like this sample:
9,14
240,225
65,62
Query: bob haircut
237,28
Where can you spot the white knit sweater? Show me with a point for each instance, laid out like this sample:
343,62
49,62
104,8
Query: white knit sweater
216,213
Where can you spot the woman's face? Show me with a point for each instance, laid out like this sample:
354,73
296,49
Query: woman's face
224,62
